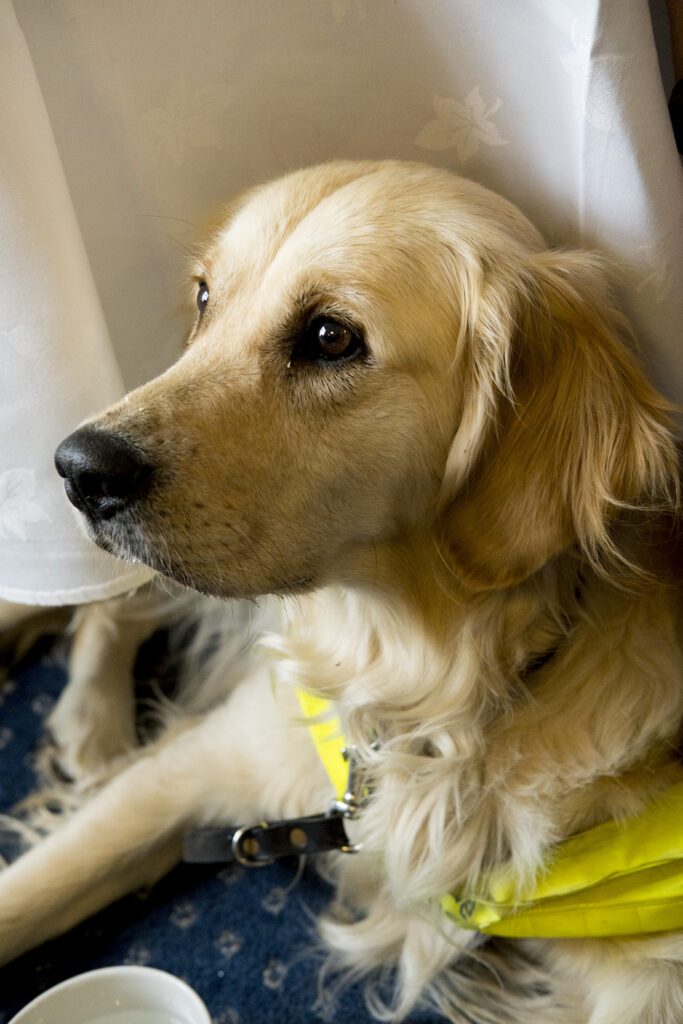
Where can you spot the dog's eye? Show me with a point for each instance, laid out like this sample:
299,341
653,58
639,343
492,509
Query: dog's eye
202,297
329,341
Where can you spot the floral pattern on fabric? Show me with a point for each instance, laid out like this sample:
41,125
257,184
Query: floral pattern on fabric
188,118
462,125
18,506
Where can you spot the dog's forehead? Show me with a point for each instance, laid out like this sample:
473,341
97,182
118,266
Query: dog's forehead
324,215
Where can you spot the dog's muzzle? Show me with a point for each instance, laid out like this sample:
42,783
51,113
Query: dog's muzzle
103,472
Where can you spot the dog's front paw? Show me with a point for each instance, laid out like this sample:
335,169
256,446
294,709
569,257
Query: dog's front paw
86,738
22,626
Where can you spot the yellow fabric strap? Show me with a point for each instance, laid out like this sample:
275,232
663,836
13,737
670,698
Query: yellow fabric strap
615,879
329,742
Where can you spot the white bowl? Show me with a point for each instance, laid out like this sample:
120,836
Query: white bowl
117,995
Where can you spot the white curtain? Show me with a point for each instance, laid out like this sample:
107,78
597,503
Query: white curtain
122,124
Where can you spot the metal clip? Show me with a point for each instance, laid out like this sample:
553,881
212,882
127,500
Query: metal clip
351,805
241,853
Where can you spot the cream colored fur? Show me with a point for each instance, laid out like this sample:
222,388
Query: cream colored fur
449,521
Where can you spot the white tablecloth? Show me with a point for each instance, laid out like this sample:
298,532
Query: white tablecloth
123,123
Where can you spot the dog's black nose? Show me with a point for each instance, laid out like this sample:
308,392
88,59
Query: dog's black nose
102,471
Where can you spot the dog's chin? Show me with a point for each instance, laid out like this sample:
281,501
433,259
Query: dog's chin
223,582
227,588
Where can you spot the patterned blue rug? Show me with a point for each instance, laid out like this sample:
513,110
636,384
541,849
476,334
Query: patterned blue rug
243,939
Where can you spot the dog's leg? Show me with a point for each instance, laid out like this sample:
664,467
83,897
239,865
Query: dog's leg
13,615
248,758
94,720
21,625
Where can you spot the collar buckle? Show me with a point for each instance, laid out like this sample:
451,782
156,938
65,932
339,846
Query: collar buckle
353,802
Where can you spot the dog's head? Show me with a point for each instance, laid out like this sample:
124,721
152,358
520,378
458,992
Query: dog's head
380,350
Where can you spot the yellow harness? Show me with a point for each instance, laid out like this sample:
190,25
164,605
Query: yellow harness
614,879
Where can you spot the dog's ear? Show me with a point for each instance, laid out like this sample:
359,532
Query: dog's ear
570,431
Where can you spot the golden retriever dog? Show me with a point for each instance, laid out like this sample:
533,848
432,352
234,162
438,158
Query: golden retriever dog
426,435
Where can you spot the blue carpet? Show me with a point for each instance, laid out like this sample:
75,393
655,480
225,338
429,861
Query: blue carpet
243,939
